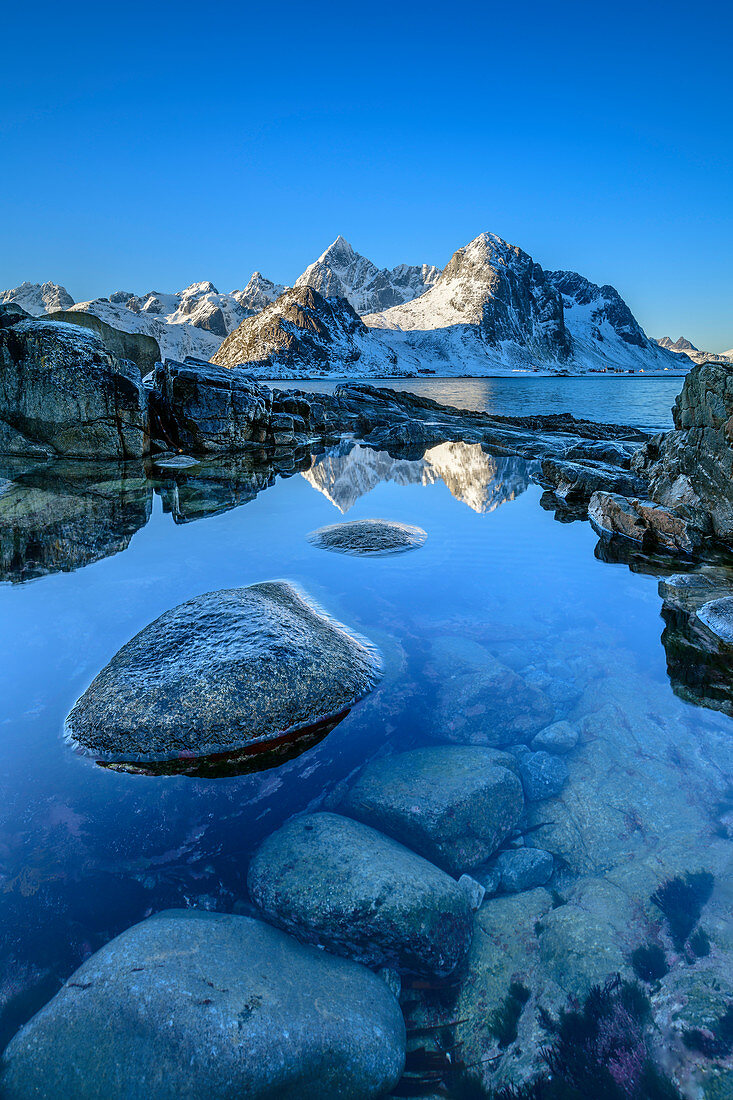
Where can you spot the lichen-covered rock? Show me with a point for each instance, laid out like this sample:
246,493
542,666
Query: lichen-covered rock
337,882
690,469
197,407
223,671
453,804
207,1006
643,521
368,536
63,394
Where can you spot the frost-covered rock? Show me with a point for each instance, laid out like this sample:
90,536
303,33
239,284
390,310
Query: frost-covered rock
221,672
368,536
340,272
453,804
208,1006
340,883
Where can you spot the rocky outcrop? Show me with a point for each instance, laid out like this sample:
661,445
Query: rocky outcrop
342,273
690,469
453,804
198,408
697,637
139,348
339,883
642,521
368,536
305,334
575,483
223,672
63,393
202,1005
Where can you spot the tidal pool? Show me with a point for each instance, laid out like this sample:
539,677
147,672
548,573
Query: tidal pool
90,556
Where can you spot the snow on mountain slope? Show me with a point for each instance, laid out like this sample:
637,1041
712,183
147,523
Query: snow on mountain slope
258,293
685,348
38,298
176,340
340,272
303,335
679,345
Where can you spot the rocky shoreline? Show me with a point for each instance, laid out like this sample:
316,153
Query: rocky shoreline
489,879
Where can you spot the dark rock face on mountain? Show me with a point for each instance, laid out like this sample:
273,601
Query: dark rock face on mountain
139,348
60,515
222,672
201,408
63,393
690,469
201,1005
342,273
302,329
608,305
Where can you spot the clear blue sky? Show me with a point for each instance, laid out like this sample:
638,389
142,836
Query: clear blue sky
147,146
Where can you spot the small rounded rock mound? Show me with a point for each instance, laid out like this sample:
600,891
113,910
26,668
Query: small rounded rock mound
368,536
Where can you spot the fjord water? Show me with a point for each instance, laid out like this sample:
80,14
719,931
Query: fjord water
86,851
643,402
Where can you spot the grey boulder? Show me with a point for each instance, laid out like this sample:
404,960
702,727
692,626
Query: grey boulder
543,775
63,394
559,738
524,868
368,536
201,1005
453,804
341,884
223,671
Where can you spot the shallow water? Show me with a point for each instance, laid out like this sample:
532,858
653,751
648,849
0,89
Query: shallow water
89,561
643,402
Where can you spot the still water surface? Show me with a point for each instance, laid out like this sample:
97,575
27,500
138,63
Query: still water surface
85,852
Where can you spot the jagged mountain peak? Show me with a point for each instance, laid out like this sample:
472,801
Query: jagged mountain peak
38,298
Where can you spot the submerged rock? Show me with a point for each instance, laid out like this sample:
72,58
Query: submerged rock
481,701
559,738
542,775
368,536
453,804
202,1005
342,884
221,672
524,868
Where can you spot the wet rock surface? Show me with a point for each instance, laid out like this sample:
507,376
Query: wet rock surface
543,774
453,804
223,671
643,521
63,394
194,1004
558,738
524,869
335,881
368,536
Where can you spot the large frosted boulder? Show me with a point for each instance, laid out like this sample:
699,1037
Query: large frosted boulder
205,1006
222,672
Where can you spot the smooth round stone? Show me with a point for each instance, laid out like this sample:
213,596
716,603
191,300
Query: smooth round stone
201,1005
225,670
543,775
524,868
368,536
559,738
717,616
336,882
453,804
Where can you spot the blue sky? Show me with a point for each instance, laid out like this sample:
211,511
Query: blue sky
147,146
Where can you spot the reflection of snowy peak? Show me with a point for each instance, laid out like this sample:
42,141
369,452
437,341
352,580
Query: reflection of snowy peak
342,273
473,477
38,298
476,478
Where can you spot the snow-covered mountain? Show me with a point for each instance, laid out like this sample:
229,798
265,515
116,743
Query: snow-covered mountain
38,298
685,348
340,272
258,293
473,477
302,334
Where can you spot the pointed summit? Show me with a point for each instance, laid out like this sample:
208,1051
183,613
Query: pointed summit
340,272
